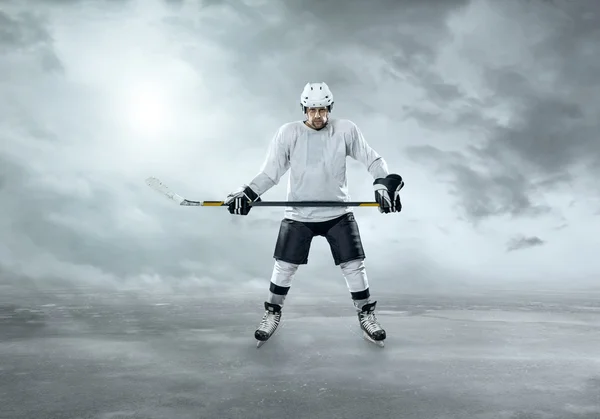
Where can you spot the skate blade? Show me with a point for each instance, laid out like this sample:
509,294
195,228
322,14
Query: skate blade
260,343
379,343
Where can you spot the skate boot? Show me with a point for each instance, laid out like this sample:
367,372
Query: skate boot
369,324
269,322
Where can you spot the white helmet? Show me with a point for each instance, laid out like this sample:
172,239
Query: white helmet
316,95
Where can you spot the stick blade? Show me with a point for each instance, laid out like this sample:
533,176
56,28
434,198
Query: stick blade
163,189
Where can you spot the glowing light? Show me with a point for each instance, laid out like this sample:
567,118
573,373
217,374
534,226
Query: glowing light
148,110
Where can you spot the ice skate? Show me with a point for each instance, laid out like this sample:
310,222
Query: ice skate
372,330
268,324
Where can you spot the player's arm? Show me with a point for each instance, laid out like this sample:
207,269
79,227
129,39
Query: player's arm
387,186
275,165
362,152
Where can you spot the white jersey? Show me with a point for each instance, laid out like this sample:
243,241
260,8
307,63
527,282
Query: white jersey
317,164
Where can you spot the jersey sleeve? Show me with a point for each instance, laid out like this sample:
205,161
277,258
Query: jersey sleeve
276,163
362,152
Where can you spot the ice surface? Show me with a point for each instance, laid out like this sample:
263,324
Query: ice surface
101,356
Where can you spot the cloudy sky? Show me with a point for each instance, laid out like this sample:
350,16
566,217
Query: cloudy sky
488,109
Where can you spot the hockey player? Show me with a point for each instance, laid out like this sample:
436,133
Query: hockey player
315,151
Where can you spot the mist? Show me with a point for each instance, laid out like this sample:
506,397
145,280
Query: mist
488,109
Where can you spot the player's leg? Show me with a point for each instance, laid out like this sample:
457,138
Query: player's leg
291,251
348,253
355,274
281,281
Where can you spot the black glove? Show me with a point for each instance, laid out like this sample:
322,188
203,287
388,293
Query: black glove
238,202
387,193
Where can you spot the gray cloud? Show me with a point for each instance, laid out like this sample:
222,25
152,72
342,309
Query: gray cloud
21,31
78,223
25,33
481,195
354,47
522,242
72,163
552,126
550,133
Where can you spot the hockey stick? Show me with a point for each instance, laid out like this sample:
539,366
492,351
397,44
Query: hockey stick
163,189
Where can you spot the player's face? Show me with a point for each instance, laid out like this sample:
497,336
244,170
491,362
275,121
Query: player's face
317,117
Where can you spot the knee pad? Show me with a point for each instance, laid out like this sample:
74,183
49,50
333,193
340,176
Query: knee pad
352,267
283,273
355,274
